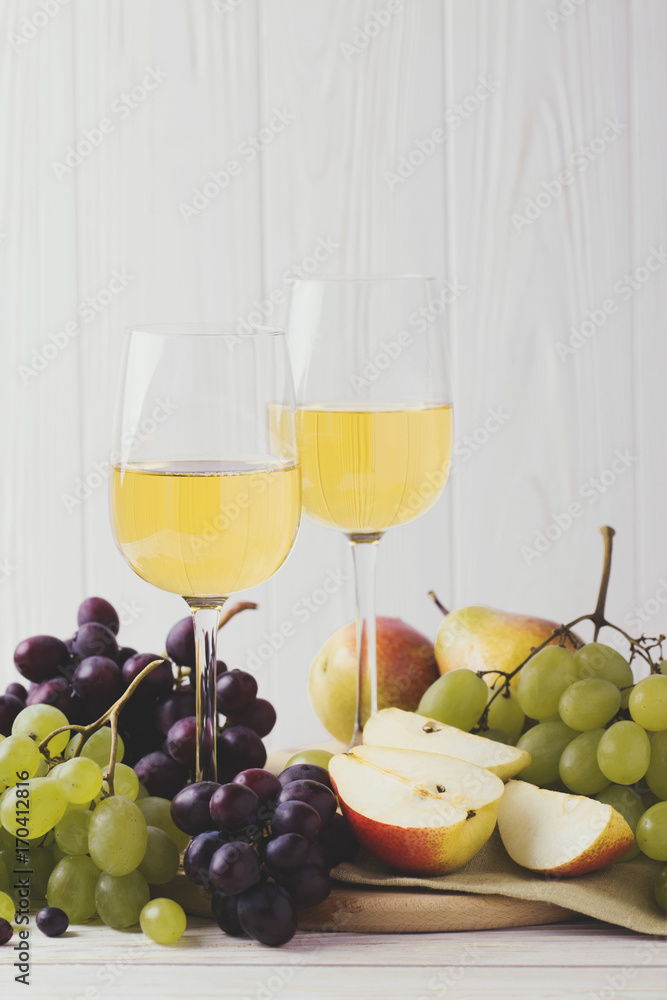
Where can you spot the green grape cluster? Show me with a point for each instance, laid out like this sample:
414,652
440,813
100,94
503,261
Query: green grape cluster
89,853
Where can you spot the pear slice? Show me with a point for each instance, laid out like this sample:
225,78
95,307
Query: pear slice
560,834
419,813
392,727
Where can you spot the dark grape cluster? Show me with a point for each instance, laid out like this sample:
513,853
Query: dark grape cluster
263,845
85,675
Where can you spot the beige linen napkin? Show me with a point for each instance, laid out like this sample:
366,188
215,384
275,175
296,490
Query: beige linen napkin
621,894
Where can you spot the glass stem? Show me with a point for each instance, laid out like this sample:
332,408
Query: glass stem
206,618
364,553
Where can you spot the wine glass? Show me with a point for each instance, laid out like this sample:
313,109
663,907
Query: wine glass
205,498
374,419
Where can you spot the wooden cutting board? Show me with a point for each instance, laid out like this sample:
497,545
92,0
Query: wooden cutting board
360,909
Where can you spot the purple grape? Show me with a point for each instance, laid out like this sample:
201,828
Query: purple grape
267,913
177,706
286,852
307,886
157,684
236,690
198,854
18,691
180,644
260,717
296,817
41,657
182,741
321,798
124,653
224,909
56,692
9,709
6,931
161,775
95,640
238,750
96,609
305,772
234,867
318,856
52,921
97,679
233,808
190,808
338,841
263,783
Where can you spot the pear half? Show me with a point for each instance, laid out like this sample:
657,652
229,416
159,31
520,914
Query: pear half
392,727
419,813
560,834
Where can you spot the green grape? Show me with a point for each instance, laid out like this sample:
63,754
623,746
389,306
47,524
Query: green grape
629,805
161,859
163,920
125,782
624,753
43,768
72,832
39,864
7,908
18,754
652,832
656,773
143,792
41,720
97,747
72,888
578,765
545,743
4,875
506,714
319,757
625,697
157,812
121,898
7,840
660,889
58,853
589,704
597,660
44,807
77,807
648,703
543,680
458,698
118,836
79,779
497,735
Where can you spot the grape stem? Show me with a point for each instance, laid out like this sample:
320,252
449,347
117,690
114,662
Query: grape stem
641,646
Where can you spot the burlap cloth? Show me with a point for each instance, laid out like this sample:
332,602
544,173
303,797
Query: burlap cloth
621,894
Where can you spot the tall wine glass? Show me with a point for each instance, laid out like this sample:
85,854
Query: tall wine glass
374,418
205,498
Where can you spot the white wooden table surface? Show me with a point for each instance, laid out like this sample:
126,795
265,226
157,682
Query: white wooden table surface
584,959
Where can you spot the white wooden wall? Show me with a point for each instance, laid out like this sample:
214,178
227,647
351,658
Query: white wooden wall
554,81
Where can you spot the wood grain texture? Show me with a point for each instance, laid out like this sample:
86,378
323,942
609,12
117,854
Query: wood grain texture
355,910
355,116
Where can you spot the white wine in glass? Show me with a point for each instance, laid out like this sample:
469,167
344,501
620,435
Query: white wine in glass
204,504
374,421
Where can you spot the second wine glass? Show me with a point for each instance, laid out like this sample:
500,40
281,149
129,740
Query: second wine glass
374,421
205,499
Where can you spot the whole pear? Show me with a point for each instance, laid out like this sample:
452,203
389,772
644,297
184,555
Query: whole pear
482,638
406,667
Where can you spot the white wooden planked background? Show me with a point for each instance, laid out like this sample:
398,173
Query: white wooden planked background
522,92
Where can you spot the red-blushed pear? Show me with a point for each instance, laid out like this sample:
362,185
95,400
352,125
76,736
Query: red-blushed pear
560,834
393,727
406,667
481,638
419,813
